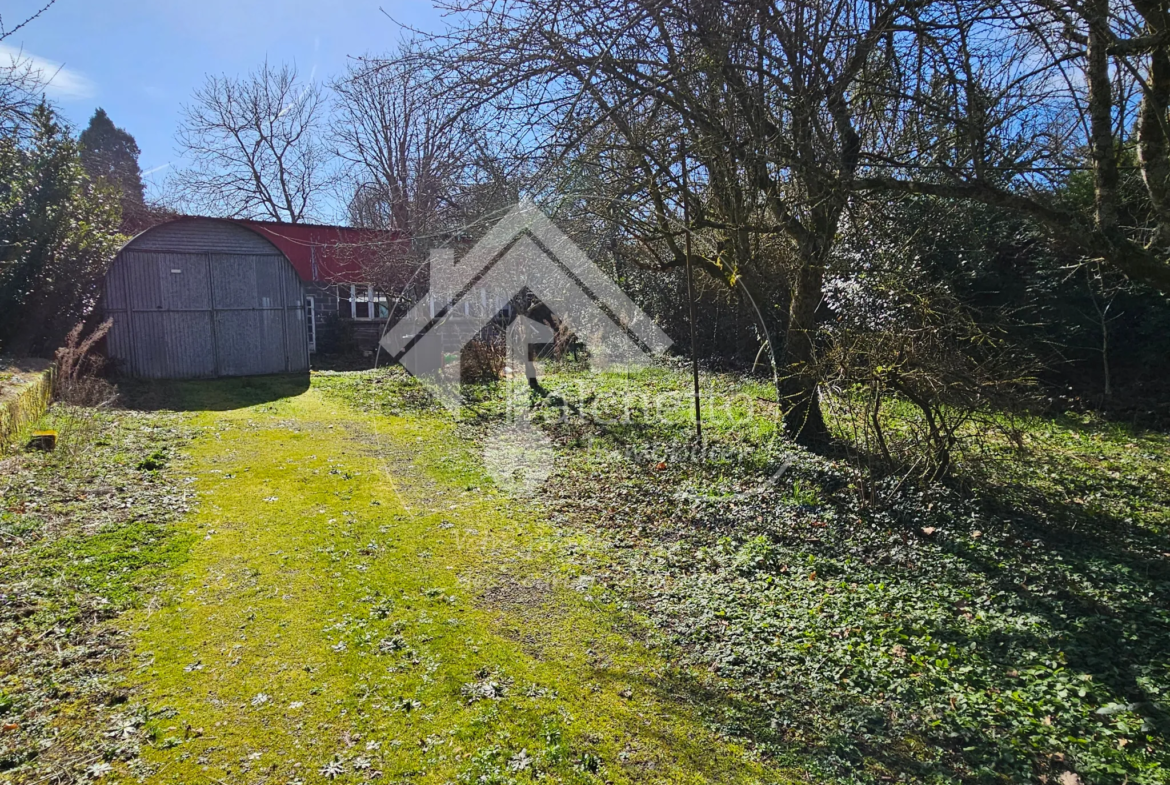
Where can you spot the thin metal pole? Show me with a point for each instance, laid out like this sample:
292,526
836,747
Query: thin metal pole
691,293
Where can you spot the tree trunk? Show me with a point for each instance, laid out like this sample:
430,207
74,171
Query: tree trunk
799,388
1153,149
1101,115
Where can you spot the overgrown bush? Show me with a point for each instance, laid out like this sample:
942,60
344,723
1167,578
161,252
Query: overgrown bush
918,380
1098,339
336,336
483,360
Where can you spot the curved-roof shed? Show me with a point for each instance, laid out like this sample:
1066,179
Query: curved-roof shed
203,297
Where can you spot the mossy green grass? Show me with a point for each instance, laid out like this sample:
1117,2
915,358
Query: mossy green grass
359,602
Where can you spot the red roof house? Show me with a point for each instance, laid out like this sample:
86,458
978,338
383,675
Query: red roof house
330,254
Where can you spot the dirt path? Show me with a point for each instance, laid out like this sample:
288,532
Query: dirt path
358,606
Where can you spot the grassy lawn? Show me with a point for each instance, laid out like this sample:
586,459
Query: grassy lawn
1018,629
357,603
86,533
1012,628
352,597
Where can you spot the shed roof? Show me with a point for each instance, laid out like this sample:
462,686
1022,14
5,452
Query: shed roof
318,252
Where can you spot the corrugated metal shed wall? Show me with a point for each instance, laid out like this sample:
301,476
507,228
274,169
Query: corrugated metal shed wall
200,298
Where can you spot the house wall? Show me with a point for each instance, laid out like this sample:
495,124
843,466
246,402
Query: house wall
338,333
325,315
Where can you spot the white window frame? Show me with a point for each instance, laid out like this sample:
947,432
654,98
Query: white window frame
311,316
372,297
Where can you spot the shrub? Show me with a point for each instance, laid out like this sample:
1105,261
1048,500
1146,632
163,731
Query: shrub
336,336
483,360
79,368
919,380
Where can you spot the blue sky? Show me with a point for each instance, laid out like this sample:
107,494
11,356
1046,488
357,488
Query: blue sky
141,59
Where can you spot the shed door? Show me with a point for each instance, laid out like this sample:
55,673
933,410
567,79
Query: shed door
184,315
249,313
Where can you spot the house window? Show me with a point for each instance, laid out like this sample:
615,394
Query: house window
311,318
362,301
380,304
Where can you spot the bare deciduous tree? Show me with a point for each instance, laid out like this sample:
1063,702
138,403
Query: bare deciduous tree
21,82
255,147
405,144
787,113
777,102
1022,93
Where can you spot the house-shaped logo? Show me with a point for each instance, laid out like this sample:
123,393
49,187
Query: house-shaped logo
524,251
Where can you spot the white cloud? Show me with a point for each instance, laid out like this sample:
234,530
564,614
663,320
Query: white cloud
60,82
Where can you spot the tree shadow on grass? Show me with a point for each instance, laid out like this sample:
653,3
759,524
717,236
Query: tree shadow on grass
1087,580
1107,592
187,395
1099,615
